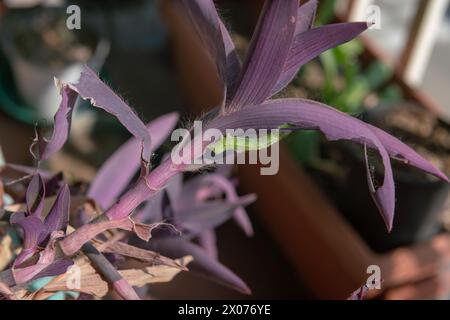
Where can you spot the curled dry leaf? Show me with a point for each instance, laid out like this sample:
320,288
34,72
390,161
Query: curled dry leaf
127,250
154,274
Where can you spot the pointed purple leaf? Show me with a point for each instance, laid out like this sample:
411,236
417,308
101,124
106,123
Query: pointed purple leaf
35,196
208,241
174,188
210,214
228,188
47,264
199,189
311,43
268,52
401,151
214,35
32,228
202,264
311,115
306,15
28,171
58,217
55,268
62,124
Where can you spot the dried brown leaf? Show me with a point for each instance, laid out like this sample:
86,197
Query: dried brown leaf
93,284
153,274
136,253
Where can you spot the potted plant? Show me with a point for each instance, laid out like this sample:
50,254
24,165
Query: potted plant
155,219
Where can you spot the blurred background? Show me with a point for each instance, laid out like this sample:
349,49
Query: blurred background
317,229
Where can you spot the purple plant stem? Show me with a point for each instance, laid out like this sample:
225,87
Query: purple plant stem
144,189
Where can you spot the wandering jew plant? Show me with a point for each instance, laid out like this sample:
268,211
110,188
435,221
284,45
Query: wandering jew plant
153,220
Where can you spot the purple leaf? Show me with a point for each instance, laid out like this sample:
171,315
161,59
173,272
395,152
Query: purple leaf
268,52
306,15
208,241
31,222
311,43
401,151
197,190
54,183
55,268
310,115
58,217
228,188
47,258
117,172
62,123
174,188
40,270
233,62
210,214
215,37
32,228
35,196
203,264
91,88
28,171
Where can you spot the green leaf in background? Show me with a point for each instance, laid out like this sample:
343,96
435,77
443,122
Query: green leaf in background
325,13
305,146
391,94
377,74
